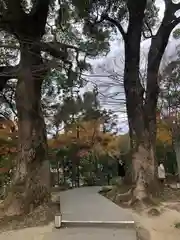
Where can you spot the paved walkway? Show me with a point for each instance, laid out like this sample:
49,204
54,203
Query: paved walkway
86,204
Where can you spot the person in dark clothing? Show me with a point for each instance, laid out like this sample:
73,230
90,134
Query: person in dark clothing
121,169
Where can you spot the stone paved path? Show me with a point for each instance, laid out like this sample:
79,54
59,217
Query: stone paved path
86,204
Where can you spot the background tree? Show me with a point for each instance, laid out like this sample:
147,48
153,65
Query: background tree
83,122
170,103
89,152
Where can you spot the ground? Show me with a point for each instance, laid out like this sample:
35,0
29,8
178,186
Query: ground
48,233
35,233
162,227
157,223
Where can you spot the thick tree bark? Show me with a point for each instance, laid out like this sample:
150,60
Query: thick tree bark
143,155
141,105
31,182
143,160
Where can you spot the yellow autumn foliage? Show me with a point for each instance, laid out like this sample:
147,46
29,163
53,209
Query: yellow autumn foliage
164,134
89,134
8,137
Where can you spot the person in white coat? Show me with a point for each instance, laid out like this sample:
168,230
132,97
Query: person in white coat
161,173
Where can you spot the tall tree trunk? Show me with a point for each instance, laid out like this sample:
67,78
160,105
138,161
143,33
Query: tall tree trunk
141,105
31,182
143,157
143,149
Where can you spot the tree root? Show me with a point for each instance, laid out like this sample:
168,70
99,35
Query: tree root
124,197
129,199
40,216
22,201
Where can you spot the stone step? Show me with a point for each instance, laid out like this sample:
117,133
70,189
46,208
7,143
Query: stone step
99,224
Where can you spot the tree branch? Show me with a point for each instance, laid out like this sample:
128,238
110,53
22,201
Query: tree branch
15,9
115,23
175,22
13,46
157,49
145,36
168,2
149,28
39,6
39,15
174,6
7,73
54,50
12,14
